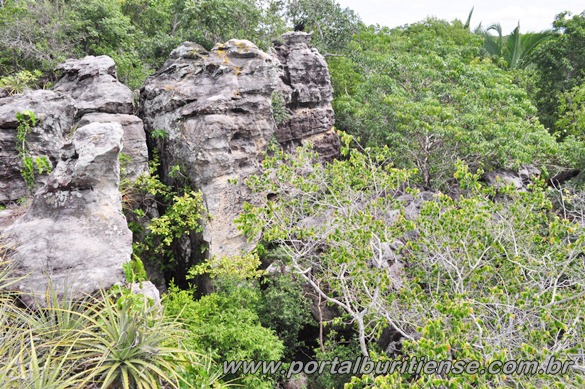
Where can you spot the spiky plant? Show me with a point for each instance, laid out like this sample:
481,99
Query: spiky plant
128,346
58,315
100,342
39,365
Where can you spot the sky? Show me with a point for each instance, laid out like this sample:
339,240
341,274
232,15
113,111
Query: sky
534,15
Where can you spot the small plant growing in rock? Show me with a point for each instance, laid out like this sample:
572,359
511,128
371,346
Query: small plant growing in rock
26,120
184,212
134,270
279,112
124,161
160,134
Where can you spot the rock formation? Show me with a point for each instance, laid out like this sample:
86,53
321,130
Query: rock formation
308,95
87,92
520,180
92,83
75,233
100,98
55,113
135,152
215,109
210,114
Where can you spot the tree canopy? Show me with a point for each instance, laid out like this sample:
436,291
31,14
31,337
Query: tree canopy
397,249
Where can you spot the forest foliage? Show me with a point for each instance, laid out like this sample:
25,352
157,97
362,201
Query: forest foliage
401,235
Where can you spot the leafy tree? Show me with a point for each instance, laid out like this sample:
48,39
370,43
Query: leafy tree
425,91
345,194
33,35
332,25
99,27
285,309
137,34
560,63
220,20
572,112
41,34
493,274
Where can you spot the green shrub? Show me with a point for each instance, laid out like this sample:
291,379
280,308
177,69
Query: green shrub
226,326
279,111
20,81
29,163
285,310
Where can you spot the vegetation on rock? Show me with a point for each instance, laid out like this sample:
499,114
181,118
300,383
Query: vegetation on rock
397,249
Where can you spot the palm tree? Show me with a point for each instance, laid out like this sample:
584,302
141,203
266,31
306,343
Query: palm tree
515,48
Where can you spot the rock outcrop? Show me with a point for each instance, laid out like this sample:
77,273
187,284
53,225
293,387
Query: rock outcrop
87,92
74,235
308,94
100,98
215,109
92,83
520,179
134,161
210,114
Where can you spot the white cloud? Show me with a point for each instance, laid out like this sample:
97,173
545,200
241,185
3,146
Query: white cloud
534,15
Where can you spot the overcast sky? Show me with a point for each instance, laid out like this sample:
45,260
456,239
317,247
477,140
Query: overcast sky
534,15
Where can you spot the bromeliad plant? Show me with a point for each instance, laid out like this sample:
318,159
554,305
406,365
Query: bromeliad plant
128,346
102,341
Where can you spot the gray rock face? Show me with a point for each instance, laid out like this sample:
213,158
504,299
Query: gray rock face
92,83
54,112
215,111
74,232
135,161
308,94
87,91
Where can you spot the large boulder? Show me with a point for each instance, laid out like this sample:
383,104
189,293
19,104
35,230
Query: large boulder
74,235
100,98
134,162
92,83
518,179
